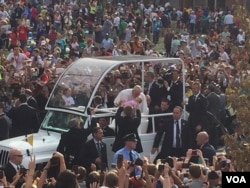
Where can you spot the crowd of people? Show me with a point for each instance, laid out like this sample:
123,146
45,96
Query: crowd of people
39,39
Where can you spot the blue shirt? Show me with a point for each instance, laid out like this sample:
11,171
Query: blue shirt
125,152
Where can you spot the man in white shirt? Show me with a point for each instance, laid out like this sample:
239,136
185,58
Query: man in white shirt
241,37
223,55
229,19
116,23
16,58
131,94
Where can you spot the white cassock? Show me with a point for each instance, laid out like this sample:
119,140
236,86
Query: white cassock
126,95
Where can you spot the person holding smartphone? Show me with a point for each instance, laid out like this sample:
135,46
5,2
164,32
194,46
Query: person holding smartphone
208,151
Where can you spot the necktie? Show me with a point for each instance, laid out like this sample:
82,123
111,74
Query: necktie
178,145
98,146
131,159
131,156
149,87
17,167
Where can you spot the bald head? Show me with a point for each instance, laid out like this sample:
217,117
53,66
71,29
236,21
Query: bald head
202,138
15,156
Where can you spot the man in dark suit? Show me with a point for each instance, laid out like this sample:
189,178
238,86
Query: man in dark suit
174,89
72,141
94,152
197,108
13,167
176,139
103,123
161,120
154,90
24,118
207,149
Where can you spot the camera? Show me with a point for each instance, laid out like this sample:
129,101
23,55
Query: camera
54,161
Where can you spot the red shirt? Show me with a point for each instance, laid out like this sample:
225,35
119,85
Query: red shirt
34,12
44,78
27,53
52,37
13,38
23,32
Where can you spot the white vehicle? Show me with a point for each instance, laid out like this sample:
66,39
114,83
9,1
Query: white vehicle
84,77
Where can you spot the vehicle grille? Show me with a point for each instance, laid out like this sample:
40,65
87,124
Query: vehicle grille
3,157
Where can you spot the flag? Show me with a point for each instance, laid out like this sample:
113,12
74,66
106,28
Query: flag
30,139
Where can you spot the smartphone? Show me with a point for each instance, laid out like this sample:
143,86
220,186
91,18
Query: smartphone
103,167
1,174
75,169
194,152
161,167
23,171
119,161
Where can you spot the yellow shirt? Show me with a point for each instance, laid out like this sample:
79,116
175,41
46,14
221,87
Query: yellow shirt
92,9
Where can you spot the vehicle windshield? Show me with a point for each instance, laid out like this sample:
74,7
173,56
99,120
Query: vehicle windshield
58,121
76,85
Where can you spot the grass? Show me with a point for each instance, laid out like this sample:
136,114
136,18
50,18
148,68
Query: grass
160,45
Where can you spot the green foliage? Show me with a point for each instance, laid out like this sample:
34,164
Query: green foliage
238,97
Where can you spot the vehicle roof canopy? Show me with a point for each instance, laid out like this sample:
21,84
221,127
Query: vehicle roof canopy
84,76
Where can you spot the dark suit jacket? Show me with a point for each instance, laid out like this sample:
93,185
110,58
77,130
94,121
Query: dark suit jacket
208,151
156,94
167,144
90,153
107,131
197,110
175,93
214,104
71,144
161,120
5,126
10,172
126,125
24,120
